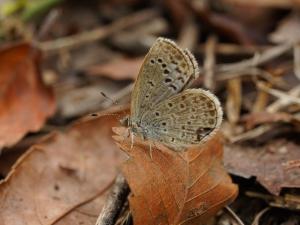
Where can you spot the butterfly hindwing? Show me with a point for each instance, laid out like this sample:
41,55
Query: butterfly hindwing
189,117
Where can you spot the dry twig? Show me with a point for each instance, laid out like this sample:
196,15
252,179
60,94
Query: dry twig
284,101
259,215
251,134
257,60
233,214
279,94
115,202
209,63
97,34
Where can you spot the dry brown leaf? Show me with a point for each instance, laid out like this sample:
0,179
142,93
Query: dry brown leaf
120,69
25,101
174,188
268,163
59,174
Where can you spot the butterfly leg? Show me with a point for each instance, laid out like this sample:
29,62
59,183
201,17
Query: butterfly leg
150,151
131,134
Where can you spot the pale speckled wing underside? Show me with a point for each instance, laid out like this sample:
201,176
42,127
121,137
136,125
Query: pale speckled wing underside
166,71
184,119
162,109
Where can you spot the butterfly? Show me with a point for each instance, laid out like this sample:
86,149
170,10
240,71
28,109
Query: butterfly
163,109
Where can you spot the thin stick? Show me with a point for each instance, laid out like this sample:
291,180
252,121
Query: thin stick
279,94
253,71
114,203
234,49
189,34
259,215
251,134
209,63
284,102
297,61
233,214
99,33
48,23
257,60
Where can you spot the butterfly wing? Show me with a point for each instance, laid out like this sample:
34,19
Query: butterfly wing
166,71
184,119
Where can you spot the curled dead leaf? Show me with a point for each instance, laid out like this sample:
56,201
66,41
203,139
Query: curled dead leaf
175,188
64,178
267,163
25,102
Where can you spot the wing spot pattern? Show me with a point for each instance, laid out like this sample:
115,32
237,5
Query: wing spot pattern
166,71
168,80
211,121
173,87
151,83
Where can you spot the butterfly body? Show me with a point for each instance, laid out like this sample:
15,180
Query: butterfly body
162,109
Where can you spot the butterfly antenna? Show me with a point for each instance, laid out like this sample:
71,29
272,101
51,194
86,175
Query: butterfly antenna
108,98
103,114
106,114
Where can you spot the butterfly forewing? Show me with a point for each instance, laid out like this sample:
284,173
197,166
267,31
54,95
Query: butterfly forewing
166,71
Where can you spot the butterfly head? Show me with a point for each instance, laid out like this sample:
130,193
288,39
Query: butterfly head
134,127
